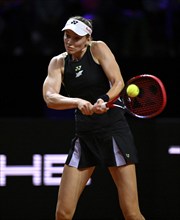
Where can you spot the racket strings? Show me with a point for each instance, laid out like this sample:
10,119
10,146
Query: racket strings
150,99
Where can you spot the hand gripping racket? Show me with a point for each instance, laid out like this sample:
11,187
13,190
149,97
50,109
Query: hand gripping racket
150,101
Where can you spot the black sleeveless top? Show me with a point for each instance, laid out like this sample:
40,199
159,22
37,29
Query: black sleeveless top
84,78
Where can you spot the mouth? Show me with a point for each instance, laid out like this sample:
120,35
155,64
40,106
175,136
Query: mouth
69,48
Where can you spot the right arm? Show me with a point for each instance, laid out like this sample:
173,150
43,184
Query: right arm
52,86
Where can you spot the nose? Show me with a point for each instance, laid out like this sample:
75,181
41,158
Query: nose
68,41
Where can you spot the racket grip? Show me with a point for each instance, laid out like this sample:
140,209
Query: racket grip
108,105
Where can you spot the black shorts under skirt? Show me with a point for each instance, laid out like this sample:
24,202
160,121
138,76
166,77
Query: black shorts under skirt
111,144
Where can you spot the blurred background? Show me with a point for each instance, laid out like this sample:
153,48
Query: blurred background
144,35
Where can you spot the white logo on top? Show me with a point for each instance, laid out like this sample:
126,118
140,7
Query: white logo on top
79,73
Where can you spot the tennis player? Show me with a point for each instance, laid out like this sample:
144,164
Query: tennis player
91,76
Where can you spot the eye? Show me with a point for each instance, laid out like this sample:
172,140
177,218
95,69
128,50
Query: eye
77,38
66,35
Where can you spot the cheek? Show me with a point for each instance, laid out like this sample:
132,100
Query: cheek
65,40
81,44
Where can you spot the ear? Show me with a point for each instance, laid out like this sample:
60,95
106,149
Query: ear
89,38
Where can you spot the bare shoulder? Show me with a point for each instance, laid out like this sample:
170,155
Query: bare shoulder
57,62
98,45
99,50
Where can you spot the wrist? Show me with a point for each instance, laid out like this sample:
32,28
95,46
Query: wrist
75,102
104,97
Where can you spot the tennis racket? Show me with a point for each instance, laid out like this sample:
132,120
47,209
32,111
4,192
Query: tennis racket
150,101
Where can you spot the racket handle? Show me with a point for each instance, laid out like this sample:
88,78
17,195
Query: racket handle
111,105
108,105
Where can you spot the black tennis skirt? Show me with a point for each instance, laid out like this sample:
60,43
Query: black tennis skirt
104,139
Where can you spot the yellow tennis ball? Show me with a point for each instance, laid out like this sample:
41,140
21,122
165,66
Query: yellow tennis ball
132,90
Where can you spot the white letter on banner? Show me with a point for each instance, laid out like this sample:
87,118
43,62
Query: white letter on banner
18,170
49,169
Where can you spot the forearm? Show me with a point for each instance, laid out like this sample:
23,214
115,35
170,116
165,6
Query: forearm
115,90
59,102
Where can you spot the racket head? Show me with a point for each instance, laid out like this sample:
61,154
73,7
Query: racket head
151,99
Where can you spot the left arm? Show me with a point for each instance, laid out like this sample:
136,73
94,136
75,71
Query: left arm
103,56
